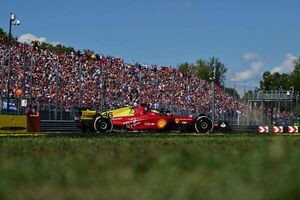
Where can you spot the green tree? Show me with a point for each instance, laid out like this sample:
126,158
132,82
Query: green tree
295,76
3,33
265,83
232,92
220,70
201,70
205,69
184,67
57,48
275,80
248,95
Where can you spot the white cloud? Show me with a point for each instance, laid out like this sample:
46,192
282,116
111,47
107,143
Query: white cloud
287,65
255,65
249,56
243,76
181,4
28,38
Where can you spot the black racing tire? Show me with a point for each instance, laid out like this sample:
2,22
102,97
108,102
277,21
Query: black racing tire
204,124
103,124
90,126
202,114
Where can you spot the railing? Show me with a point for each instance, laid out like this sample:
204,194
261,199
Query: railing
67,126
273,95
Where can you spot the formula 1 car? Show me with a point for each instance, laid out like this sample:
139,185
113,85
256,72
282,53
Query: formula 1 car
140,118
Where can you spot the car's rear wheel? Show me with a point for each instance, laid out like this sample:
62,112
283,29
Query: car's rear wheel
103,124
203,124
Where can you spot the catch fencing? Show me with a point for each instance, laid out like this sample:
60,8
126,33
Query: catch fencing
261,109
183,94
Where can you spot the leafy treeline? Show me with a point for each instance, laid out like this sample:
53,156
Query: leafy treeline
270,81
284,81
205,69
3,33
44,45
57,48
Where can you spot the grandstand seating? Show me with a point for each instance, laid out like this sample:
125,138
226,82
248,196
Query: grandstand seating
90,79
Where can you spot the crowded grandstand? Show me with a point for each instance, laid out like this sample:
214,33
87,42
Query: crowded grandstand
93,80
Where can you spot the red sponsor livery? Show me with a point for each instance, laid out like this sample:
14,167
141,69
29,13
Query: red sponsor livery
292,129
144,119
263,129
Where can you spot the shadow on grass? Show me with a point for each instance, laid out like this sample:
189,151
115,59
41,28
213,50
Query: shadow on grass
143,135
136,135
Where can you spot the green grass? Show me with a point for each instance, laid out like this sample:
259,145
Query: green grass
150,167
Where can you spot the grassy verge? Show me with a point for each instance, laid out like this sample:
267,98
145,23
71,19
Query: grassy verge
150,167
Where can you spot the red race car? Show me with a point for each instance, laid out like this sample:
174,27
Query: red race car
140,118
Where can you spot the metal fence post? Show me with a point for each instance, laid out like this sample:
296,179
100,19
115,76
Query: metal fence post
50,109
80,84
173,96
61,110
31,74
213,100
8,72
140,86
2,79
102,88
200,96
24,78
122,85
213,94
56,89
157,91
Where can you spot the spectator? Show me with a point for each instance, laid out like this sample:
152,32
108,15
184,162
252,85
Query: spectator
92,80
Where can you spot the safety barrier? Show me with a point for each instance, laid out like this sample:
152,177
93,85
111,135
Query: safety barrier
20,123
65,126
277,129
13,123
69,126
33,123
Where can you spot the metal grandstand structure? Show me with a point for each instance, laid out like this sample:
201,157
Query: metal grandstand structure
272,107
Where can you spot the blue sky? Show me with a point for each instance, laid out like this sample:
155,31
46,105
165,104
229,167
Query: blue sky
249,36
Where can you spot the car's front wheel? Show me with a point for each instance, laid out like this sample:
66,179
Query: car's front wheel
103,124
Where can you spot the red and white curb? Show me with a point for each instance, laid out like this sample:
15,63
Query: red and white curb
293,129
277,129
263,129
